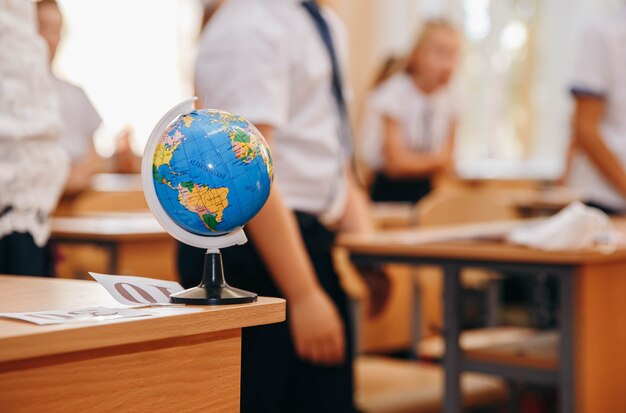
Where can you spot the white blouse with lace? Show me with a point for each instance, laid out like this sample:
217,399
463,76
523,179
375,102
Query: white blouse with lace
33,165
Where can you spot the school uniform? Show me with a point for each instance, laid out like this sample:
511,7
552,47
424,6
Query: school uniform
600,71
80,120
425,122
33,165
270,62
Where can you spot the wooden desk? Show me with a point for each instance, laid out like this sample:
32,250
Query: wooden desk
113,182
185,363
544,202
135,242
592,314
393,215
106,192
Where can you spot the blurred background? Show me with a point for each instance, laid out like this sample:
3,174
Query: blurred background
135,59
517,59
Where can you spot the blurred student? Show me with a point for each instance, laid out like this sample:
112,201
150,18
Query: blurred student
411,117
79,118
33,166
599,89
281,69
124,160
209,8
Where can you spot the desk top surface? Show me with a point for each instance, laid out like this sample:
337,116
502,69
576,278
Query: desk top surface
108,226
114,182
21,340
556,197
473,242
393,214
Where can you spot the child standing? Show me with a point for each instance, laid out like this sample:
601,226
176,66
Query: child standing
598,170
280,68
33,165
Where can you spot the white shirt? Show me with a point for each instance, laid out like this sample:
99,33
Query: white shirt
601,71
266,61
80,119
33,165
425,121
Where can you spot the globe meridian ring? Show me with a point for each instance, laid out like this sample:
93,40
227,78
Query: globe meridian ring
211,243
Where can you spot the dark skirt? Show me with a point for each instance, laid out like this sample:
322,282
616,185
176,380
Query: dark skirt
19,255
385,189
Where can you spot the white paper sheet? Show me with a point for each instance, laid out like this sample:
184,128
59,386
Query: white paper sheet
135,291
74,315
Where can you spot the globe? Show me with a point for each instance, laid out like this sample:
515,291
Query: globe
211,171
205,174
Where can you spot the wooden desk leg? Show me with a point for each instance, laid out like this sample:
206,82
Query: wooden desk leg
566,342
600,356
452,326
112,248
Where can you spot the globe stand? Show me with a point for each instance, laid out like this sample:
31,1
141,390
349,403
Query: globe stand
213,289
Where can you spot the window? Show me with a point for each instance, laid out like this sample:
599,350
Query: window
133,58
516,65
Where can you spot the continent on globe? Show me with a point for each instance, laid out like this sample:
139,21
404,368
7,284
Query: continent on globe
208,203
244,145
187,120
212,172
247,146
164,151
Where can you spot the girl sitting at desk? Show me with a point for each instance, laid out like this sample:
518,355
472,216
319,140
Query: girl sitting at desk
410,118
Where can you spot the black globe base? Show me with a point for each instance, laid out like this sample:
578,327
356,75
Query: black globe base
223,295
213,290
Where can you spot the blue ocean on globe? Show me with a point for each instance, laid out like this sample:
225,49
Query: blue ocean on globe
212,172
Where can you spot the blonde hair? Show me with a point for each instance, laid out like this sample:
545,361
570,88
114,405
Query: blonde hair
391,66
397,64
427,29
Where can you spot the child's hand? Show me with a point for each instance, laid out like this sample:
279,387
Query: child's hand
317,329
443,161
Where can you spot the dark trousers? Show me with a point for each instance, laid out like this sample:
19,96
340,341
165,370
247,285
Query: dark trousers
273,378
19,255
385,189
